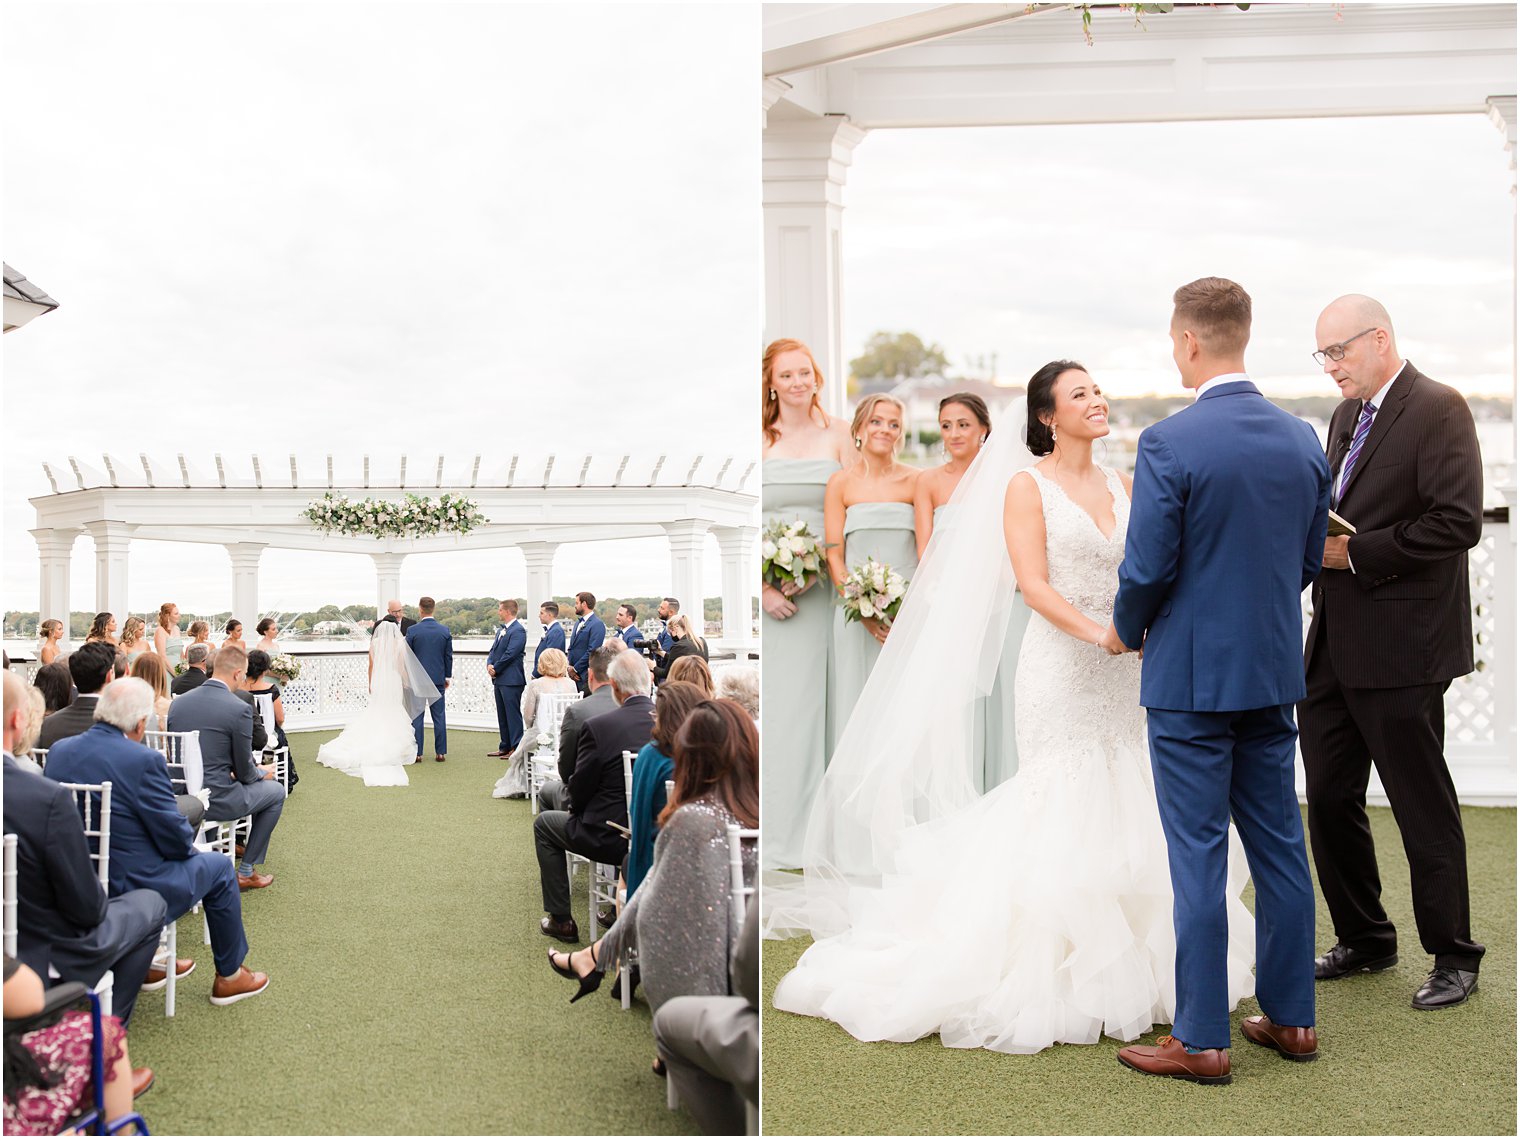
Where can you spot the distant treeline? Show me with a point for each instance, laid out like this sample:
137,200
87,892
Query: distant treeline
464,616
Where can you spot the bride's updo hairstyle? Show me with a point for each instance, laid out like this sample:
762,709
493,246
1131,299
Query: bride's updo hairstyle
1042,405
975,404
770,406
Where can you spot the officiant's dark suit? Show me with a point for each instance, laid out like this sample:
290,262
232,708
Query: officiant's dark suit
596,796
405,623
1389,635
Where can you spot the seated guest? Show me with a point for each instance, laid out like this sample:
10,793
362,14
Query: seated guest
692,670
134,641
711,1045
56,685
63,917
258,683
651,769
151,843
35,711
686,643
120,665
102,628
48,1082
554,666
50,637
91,666
237,784
742,686
599,701
679,919
149,667
197,661
579,811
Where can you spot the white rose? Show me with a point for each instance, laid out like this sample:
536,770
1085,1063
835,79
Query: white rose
767,549
784,556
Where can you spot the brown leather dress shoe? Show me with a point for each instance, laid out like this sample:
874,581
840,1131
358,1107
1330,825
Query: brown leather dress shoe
1290,1043
1171,1058
243,983
142,1080
254,881
561,930
496,755
157,978
439,758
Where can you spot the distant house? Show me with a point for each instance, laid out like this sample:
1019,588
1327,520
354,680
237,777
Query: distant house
333,628
24,301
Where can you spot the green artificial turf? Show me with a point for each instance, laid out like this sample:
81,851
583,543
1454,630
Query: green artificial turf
1384,1068
409,992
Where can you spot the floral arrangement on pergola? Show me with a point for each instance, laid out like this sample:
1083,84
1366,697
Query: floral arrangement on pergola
413,517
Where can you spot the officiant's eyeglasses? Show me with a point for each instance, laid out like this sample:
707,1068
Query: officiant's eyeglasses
1337,351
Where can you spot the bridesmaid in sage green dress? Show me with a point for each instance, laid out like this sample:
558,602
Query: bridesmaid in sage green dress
167,641
964,424
800,448
867,513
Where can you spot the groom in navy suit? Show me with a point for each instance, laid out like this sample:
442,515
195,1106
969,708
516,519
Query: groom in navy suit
586,639
434,648
1227,528
504,663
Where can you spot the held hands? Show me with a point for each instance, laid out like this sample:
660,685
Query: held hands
775,603
1337,552
1111,644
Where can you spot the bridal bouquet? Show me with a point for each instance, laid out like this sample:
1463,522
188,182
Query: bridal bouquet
789,552
285,668
875,590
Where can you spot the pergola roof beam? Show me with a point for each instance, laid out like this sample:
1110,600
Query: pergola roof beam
617,479
691,474
586,466
654,475
745,478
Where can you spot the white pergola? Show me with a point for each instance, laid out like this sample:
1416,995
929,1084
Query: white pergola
535,504
833,73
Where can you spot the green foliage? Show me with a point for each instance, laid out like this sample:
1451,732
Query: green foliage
898,355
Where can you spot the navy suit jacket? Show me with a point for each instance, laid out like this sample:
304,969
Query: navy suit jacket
506,655
553,638
150,840
434,646
666,640
1226,529
225,723
588,638
631,635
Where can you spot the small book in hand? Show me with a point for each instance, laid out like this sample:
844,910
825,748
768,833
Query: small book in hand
1339,527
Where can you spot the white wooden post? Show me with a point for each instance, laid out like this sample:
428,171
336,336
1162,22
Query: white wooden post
737,543
688,540
540,588
387,580
112,543
55,550
245,581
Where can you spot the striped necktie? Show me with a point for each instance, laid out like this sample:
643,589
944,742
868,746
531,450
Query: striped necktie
1363,425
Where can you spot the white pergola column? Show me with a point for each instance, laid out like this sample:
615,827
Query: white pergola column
387,580
540,588
1501,111
113,540
245,579
688,542
803,165
55,550
737,543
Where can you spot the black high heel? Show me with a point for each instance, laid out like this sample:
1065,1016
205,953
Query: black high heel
563,970
592,981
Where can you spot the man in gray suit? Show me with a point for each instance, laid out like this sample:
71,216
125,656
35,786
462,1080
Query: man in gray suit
600,700
712,1044
238,786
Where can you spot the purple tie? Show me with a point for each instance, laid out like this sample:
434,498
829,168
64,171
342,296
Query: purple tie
1363,425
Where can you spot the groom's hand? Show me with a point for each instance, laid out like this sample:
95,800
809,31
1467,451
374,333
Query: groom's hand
1337,552
1111,644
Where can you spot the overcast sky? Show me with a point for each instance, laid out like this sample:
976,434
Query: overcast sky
1067,241
383,228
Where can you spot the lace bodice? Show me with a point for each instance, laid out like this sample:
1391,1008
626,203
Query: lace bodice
1083,565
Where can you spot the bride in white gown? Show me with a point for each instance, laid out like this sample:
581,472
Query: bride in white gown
379,744
1040,913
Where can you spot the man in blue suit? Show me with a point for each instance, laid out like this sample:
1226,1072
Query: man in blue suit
1226,529
433,646
669,607
586,639
504,663
151,843
627,627
554,633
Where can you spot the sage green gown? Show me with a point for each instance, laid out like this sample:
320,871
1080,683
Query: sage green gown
997,754
884,531
795,665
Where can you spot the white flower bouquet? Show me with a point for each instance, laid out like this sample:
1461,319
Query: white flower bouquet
285,668
873,590
789,553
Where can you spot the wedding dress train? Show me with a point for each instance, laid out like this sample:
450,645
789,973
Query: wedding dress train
380,742
1040,913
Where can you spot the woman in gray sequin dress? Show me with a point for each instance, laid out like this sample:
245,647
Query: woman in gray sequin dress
680,918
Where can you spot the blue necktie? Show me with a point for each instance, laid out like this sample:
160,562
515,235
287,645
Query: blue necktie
1363,425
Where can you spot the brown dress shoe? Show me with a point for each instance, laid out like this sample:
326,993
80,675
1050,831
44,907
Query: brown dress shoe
254,881
561,930
157,978
142,1080
1171,1058
243,983
1290,1043
439,758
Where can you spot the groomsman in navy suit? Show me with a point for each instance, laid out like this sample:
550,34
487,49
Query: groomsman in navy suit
434,648
554,633
626,628
588,636
505,664
669,607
